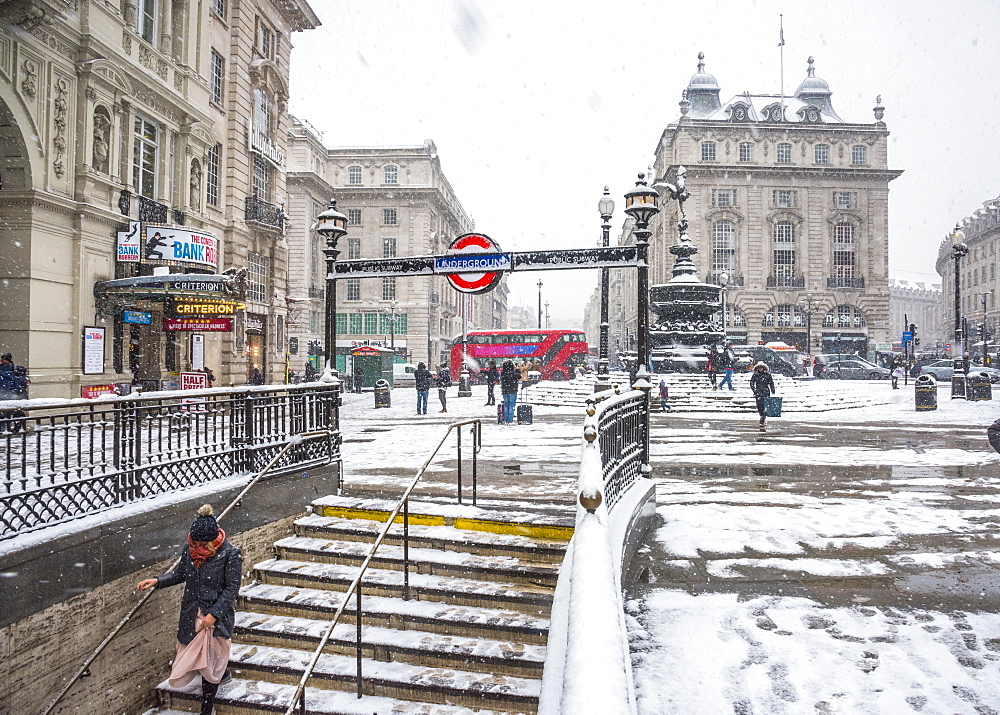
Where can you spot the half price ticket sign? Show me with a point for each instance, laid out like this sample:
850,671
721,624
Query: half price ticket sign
208,325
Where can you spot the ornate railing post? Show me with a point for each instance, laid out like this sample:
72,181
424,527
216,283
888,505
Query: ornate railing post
127,449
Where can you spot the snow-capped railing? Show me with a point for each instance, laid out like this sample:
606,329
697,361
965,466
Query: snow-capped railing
587,665
63,459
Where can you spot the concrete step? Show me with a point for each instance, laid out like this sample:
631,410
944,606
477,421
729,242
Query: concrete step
445,538
423,587
481,655
519,520
403,681
463,621
425,561
251,697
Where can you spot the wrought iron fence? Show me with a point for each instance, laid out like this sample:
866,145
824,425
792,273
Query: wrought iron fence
786,281
264,213
67,460
148,210
845,282
621,430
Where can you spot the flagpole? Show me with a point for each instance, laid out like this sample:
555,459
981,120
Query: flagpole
781,49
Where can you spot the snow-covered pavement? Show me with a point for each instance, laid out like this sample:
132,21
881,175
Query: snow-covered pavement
841,562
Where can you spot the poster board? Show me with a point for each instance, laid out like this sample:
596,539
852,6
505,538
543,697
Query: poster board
93,350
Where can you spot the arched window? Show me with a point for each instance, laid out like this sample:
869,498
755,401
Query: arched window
843,251
845,317
784,252
723,249
735,317
784,316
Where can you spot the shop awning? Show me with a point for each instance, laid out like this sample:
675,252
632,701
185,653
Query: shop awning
122,292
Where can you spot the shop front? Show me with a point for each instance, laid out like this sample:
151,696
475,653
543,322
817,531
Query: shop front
170,310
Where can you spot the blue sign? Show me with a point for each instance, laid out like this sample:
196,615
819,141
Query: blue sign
134,316
907,336
476,263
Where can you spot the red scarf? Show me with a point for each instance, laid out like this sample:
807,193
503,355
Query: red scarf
202,553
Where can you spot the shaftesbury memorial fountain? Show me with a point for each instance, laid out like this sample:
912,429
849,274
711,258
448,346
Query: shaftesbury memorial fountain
684,330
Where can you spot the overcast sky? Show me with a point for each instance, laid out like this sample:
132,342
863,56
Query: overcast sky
535,106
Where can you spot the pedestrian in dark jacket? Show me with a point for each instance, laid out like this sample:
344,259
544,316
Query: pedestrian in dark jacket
509,379
256,377
664,395
422,378
443,382
210,569
492,378
712,369
13,386
762,386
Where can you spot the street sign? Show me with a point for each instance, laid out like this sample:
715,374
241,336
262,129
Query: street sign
209,325
137,317
907,336
947,347
485,253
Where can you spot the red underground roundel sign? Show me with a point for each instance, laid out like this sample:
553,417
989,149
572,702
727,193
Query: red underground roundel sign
475,244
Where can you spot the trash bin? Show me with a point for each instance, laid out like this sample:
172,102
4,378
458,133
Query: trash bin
925,393
383,395
978,387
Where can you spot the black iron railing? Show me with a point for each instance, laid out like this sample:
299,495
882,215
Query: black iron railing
152,211
786,281
621,427
69,460
265,213
298,700
845,282
735,281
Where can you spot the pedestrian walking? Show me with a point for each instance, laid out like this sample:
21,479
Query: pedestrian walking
726,359
897,372
422,377
443,382
492,378
256,377
762,386
210,569
710,368
509,379
664,394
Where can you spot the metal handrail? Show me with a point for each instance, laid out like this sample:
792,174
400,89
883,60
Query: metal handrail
298,699
83,670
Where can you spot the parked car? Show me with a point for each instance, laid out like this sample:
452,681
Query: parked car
855,369
403,374
823,362
775,361
942,370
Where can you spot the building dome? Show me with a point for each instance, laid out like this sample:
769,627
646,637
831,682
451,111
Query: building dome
814,90
703,91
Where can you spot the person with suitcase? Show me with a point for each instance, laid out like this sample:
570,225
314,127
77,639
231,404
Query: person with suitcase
524,411
509,381
762,386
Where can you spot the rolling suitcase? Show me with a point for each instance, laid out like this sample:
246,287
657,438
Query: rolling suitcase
524,415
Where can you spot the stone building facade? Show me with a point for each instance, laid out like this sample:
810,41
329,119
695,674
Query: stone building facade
921,305
791,202
123,126
398,202
978,279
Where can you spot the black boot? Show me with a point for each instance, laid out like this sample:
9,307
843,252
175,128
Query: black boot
208,691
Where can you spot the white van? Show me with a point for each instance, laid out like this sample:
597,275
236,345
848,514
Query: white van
403,374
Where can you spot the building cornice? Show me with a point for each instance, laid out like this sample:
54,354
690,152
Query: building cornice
752,172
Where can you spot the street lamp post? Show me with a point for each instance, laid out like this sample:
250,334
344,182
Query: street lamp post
958,251
331,225
391,316
607,208
986,352
464,376
539,303
723,279
642,203
808,305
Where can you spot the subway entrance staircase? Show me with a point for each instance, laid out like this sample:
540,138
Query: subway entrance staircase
470,639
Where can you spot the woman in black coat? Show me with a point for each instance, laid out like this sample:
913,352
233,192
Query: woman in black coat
509,379
210,569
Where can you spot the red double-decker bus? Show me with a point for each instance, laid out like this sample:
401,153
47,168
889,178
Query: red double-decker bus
560,352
